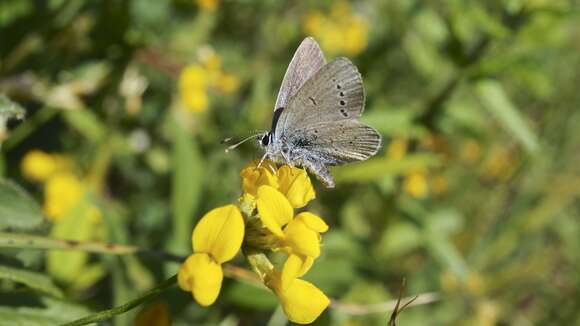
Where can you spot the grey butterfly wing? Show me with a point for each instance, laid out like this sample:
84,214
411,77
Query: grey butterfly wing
339,142
307,60
334,93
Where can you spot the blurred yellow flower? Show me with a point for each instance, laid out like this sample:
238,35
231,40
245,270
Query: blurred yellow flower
227,83
39,166
439,183
415,184
499,163
397,149
216,239
301,301
209,5
339,32
196,80
470,151
193,77
196,100
193,81
62,192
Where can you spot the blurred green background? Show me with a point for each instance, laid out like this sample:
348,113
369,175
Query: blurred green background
474,195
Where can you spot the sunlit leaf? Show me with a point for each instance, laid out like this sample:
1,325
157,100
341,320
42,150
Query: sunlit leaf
381,167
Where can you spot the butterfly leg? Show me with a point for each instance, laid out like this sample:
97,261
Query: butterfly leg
321,171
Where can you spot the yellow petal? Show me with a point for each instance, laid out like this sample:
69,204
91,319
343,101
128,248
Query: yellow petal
302,302
274,209
294,267
314,222
253,177
220,233
301,239
201,276
295,185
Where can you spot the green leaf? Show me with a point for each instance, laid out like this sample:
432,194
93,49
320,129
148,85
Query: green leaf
17,209
186,189
33,280
399,239
496,101
86,122
382,167
47,312
249,296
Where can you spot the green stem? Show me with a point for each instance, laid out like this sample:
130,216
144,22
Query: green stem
25,241
108,314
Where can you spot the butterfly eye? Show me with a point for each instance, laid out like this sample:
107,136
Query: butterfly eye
266,139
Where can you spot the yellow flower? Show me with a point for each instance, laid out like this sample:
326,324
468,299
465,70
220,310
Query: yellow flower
355,36
39,166
301,301
192,77
397,149
292,182
295,185
298,236
216,239
209,5
193,82
415,184
254,176
227,83
340,31
196,100
470,151
62,193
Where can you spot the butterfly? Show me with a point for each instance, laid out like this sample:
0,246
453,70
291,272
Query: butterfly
315,121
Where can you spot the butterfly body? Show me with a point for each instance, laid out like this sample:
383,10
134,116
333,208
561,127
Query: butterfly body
315,121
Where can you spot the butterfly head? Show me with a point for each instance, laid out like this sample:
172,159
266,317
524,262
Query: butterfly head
264,139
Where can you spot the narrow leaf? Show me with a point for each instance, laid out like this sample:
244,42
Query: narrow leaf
186,188
496,101
33,280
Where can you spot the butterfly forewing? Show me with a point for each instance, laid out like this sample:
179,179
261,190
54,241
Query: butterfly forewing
334,93
307,60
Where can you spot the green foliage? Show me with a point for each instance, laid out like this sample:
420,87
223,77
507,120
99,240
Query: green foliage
18,210
473,196
33,280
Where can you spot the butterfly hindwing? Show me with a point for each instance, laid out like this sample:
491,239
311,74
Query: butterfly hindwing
338,142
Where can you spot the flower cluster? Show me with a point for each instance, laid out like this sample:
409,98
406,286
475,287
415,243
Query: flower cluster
67,203
196,80
340,31
265,222
64,191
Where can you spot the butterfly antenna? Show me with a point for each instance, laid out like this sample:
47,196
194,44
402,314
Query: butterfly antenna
238,143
